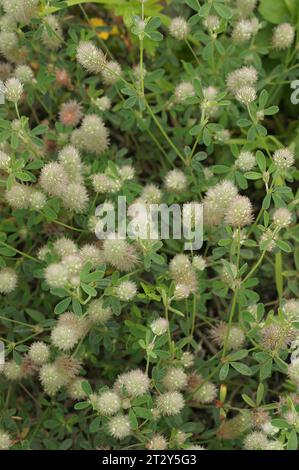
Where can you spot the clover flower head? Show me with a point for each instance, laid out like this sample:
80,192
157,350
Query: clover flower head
239,213
119,426
282,217
283,36
51,379
175,181
246,94
120,254
245,7
108,403
13,89
90,57
98,313
126,290
175,379
24,74
234,338
159,326
75,389
56,275
283,158
5,440
8,280
111,73
246,161
183,91
157,442
12,371
5,161
256,441
70,113
170,403
179,28
39,352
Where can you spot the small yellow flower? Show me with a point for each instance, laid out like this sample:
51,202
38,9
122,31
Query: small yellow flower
96,22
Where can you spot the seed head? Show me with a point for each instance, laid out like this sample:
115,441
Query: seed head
242,31
159,326
157,442
111,73
179,28
75,197
5,161
245,76
126,290
239,213
97,313
282,217
283,36
92,136
39,352
183,91
283,158
51,379
108,403
291,309
8,280
24,74
5,440
212,23
13,90
199,263
12,371
175,379
104,184
90,57
245,7
175,181
119,426
37,200
245,161
120,254
53,179
236,337
170,403
246,94
151,194
70,113
256,441
206,393
75,389
136,382
103,103
56,275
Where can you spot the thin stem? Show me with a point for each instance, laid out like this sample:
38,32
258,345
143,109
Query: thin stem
20,252
157,122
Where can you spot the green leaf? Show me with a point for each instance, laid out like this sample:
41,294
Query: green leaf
274,15
62,306
253,175
224,371
248,400
260,394
133,419
82,405
242,368
222,10
292,440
